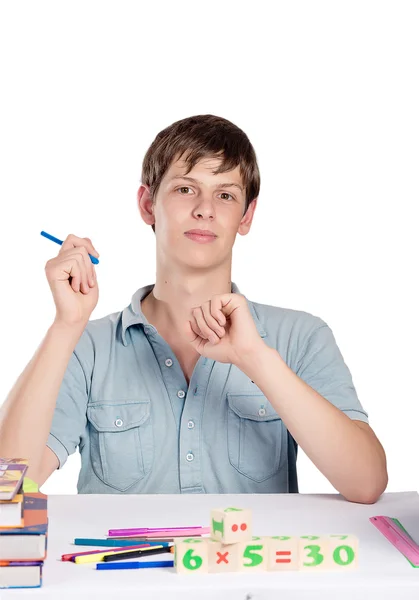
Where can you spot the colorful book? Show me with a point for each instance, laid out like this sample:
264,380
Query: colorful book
27,543
12,473
15,574
11,512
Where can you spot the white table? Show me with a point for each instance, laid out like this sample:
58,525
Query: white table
383,573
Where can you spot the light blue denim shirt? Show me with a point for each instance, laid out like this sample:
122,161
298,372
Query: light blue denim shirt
124,401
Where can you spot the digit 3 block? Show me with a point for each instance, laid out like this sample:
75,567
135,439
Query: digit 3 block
191,555
282,553
231,525
222,558
252,555
313,553
343,552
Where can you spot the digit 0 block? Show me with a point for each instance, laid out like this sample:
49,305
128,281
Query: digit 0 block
231,525
313,553
343,552
222,558
191,555
253,555
282,553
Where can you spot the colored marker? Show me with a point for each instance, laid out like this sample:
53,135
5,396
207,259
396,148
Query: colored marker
110,542
94,260
98,557
142,530
135,565
136,554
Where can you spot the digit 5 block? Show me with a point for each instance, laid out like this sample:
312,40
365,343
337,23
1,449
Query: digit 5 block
222,558
343,550
191,555
253,555
231,525
282,553
313,553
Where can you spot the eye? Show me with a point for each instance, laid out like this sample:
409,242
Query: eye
184,187
227,194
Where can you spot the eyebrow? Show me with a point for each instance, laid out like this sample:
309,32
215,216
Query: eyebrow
218,185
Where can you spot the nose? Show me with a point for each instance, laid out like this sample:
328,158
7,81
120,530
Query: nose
204,209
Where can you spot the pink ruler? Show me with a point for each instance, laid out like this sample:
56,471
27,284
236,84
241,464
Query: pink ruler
397,537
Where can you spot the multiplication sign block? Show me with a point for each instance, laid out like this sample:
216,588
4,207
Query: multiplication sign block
222,558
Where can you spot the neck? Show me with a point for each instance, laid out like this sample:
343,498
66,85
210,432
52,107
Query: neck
175,293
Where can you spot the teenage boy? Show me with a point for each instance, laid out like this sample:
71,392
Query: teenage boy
192,388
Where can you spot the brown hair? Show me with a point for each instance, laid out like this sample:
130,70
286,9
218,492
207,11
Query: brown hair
198,137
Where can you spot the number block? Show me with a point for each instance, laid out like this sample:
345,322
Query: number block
191,555
253,555
282,553
222,558
313,553
343,552
231,525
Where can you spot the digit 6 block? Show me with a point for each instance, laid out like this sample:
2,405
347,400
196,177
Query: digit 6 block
231,525
222,558
343,551
282,553
253,555
191,555
313,553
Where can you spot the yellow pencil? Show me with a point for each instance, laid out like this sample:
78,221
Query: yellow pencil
98,556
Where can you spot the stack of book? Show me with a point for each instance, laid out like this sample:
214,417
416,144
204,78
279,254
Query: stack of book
23,528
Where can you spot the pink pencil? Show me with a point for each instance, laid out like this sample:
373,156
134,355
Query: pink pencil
142,530
159,534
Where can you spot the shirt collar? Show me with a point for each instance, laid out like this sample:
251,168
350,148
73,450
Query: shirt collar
133,315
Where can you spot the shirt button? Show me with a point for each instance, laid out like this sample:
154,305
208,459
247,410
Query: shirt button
191,424
168,362
189,456
119,422
181,394
262,412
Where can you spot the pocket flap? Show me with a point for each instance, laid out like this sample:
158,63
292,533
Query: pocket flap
252,406
119,416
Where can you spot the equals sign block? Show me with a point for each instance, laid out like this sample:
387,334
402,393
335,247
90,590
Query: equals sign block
283,553
283,556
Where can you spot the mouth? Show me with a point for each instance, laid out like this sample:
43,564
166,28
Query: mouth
201,237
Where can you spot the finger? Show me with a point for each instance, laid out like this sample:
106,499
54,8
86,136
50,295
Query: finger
73,241
211,321
216,312
66,264
83,258
88,268
195,329
207,332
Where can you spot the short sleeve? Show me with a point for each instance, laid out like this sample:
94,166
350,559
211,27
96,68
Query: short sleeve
322,367
69,419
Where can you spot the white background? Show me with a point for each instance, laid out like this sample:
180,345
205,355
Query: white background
328,94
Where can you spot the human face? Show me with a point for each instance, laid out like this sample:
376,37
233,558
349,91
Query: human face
204,201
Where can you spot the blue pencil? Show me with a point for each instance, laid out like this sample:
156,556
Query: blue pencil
135,565
117,543
94,260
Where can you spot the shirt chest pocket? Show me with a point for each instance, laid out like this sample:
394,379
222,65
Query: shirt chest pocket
257,437
121,442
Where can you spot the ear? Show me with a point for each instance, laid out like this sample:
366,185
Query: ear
247,219
145,204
